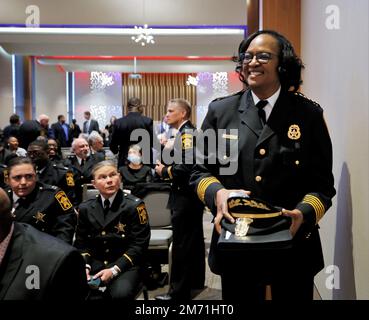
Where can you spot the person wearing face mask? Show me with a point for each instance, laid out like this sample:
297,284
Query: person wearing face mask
135,171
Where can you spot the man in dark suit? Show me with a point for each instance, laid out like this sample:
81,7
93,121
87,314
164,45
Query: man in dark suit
43,206
90,124
188,262
62,132
123,127
113,234
279,151
12,130
34,265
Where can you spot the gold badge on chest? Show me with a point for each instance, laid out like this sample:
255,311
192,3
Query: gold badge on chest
39,217
120,227
294,132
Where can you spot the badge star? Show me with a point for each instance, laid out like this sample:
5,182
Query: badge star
39,217
120,227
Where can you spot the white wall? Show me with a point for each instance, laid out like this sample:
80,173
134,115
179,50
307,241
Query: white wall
6,88
337,77
50,92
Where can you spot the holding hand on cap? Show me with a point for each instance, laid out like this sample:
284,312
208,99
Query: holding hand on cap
222,208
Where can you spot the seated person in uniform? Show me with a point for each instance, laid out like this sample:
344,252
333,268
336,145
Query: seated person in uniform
113,234
135,171
54,151
51,173
60,267
45,207
81,163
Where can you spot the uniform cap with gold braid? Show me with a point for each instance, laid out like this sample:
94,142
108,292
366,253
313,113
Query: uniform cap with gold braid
264,226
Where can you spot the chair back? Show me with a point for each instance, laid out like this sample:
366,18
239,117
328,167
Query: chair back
156,205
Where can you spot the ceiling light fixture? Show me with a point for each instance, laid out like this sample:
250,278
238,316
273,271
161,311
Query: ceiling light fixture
144,36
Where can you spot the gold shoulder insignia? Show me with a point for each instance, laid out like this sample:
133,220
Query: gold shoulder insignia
142,214
63,200
187,141
70,180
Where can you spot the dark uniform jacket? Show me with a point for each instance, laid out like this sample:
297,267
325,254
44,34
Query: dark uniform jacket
183,155
83,174
48,209
60,176
61,270
119,238
123,127
287,163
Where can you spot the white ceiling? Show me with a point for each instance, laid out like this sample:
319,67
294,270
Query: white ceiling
126,12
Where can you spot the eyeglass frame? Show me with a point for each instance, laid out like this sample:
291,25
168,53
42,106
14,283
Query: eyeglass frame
257,55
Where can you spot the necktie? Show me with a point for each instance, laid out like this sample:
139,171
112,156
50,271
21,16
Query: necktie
260,105
106,206
82,162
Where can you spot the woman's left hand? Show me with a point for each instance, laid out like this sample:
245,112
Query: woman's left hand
296,219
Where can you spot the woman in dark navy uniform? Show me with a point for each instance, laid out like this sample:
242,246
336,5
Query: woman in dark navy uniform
45,207
113,234
280,152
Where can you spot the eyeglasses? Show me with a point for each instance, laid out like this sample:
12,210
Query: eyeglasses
28,177
261,57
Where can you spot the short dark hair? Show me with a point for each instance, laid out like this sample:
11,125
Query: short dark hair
289,65
60,116
14,119
40,143
133,103
18,161
87,112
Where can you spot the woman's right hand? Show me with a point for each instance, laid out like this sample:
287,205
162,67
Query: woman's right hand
221,198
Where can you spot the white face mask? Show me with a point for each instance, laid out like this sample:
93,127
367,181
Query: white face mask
134,159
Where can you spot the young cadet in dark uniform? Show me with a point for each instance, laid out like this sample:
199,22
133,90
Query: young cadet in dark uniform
188,259
284,157
82,163
113,234
49,173
45,207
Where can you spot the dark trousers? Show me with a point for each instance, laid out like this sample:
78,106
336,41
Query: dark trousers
188,256
125,286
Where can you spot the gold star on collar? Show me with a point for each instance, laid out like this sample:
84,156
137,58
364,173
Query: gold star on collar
120,227
39,217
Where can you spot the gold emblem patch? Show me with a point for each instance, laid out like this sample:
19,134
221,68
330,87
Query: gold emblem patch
120,227
142,213
39,217
186,141
294,132
70,179
63,200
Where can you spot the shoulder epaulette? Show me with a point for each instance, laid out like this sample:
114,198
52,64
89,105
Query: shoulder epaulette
230,95
299,94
